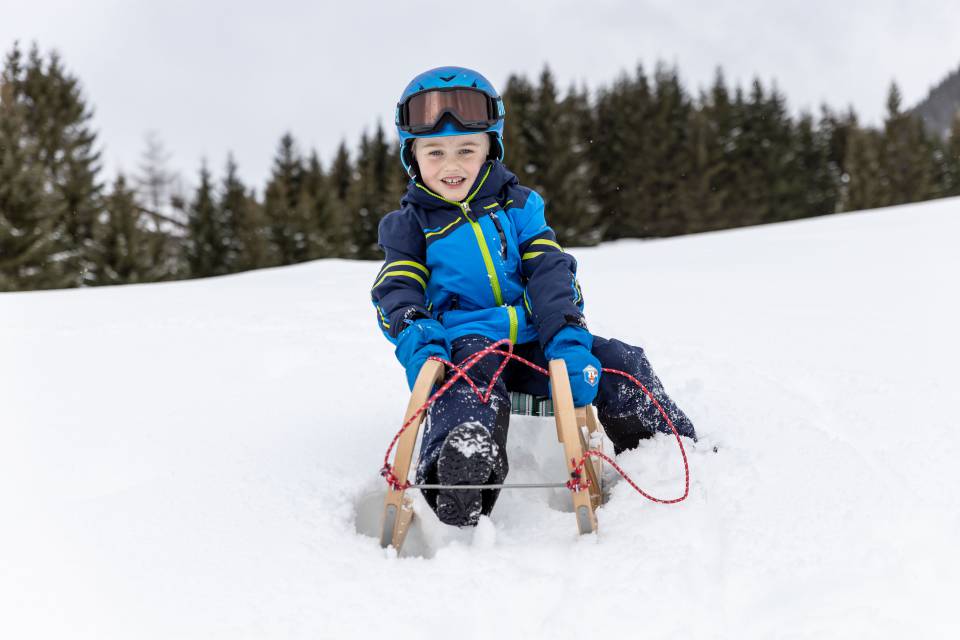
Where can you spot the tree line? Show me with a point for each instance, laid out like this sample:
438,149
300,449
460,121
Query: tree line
641,158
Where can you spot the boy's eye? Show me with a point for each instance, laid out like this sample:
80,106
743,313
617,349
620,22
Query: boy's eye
435,153
466,151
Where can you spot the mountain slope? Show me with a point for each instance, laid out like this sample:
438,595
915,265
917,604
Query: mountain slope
200,459
941,105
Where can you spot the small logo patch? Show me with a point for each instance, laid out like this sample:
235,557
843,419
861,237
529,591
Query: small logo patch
591,375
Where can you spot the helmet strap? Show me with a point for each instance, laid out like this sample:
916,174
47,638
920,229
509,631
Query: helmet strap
494,152
408,159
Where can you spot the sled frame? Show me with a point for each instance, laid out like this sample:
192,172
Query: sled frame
397,507
576,428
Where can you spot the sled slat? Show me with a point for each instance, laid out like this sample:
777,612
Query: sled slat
398,510
569,431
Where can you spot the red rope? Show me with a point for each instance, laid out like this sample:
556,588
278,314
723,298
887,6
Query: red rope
577,480
460,372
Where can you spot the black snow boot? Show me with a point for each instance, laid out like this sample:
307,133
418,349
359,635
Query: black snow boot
467,456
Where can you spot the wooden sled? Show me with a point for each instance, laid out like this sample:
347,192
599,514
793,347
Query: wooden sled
577,429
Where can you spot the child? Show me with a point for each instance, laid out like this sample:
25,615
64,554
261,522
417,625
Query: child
470,260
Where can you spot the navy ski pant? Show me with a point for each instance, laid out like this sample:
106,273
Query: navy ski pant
626,413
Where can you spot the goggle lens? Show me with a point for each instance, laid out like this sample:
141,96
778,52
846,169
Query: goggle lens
470,107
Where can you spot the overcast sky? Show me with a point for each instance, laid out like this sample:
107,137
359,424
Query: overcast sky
215,76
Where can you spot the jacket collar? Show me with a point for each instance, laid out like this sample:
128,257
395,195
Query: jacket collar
491,180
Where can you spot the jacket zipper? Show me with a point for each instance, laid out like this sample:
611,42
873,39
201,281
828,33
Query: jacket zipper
485,250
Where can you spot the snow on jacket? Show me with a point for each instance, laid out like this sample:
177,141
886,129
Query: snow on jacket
489,265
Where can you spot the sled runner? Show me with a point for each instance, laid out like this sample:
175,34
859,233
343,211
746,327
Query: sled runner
577,430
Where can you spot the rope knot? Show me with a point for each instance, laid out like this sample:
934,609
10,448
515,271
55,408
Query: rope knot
577,481
387,472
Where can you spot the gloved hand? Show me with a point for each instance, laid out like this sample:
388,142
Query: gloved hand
572,345
423,338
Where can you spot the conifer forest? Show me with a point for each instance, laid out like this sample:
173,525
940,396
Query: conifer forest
643,157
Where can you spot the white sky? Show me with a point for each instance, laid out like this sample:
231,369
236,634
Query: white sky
217,76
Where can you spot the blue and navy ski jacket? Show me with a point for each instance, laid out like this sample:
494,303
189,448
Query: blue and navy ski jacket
489,265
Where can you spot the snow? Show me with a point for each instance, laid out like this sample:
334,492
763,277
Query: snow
200,459
468,446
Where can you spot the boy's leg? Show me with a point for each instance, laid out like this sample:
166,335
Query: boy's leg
460,405
625,411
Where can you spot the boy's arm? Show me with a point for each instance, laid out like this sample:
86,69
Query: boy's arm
553,292
399,291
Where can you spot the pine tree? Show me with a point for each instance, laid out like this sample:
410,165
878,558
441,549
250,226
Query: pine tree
118,238
288,223
544,143
208,242
248,246
554,141
696,200
815,184
547,144
361,219
866,185
161,197
547,148
400,179
621,159
58,121
49,133
157,185
325,235
952,160
519,99
669,147
126,249
754,153
906,155
835,131
707,199
340,181
784,172
27,223
373,195
572,200
230,203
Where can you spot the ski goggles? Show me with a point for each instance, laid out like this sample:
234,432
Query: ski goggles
473,109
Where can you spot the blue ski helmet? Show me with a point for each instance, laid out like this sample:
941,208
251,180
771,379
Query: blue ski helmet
448,101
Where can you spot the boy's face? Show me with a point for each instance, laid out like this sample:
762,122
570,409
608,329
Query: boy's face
449,165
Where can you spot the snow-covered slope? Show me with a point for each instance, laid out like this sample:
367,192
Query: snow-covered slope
199,459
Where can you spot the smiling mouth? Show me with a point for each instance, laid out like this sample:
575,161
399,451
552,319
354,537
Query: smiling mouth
453,181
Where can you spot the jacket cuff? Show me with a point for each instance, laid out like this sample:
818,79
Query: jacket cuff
402,317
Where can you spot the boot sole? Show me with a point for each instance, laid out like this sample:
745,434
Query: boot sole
466,458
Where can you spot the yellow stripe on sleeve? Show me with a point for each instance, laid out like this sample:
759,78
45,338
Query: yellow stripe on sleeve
408,274
549,243
407,263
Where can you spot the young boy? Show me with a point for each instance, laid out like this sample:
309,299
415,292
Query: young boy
470,260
